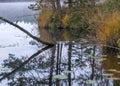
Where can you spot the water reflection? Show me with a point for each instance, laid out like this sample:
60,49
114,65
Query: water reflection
112,69
66,64
13,41
81,63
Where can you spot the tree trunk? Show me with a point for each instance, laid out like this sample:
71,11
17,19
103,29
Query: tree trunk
53,4
57,64
69,62
93,64
52,65
61,45
70,3
58,5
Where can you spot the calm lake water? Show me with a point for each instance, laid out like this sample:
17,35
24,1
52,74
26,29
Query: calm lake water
17,11
12,40
66,64
11,37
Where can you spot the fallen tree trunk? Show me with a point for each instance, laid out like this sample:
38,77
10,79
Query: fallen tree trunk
25,31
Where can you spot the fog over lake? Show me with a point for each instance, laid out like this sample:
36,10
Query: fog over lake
17,11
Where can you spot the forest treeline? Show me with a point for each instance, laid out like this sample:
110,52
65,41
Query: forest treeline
75,19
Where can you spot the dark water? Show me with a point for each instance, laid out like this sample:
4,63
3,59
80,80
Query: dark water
65,64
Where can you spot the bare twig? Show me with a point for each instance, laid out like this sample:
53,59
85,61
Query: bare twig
25,31
25,62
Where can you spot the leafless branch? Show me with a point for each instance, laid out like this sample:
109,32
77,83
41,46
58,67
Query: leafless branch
25,31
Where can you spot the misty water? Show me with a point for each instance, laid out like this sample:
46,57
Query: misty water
66,64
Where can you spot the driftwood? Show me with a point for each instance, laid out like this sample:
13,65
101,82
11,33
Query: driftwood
49,45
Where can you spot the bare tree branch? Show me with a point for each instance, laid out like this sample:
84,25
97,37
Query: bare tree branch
25,62
25,31
31,57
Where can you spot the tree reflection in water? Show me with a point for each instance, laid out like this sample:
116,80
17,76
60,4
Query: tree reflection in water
80,61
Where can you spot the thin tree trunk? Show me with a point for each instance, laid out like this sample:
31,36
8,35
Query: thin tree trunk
52,65
59,11
53,5
58,5
58,55
70,3
61,45
57,64
69,62
93,65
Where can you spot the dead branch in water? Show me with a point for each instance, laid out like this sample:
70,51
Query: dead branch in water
25,31
49,45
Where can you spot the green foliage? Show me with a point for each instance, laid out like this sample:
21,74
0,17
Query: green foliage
107,74
113,5
60,77
101,59
90,81
77,25
76,21
118,56
67,72
64,22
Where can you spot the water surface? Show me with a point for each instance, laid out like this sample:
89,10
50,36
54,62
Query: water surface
66,64
12,40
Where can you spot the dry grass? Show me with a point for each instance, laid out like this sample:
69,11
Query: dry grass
108,30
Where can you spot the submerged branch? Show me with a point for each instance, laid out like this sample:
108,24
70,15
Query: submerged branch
25,31
25,62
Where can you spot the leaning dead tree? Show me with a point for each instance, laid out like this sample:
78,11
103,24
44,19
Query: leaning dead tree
49,45
25,31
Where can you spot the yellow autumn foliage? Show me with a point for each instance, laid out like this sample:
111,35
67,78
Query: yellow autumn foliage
109,28
45,17
65,20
